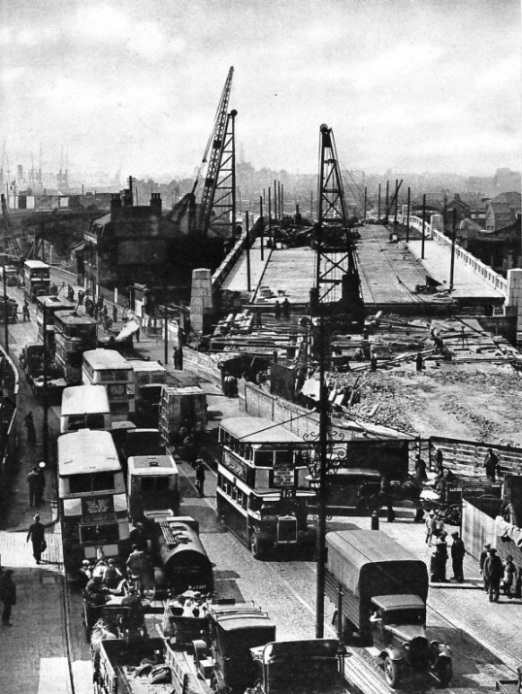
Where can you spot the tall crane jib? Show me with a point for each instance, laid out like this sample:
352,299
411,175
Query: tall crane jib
336,260
217,207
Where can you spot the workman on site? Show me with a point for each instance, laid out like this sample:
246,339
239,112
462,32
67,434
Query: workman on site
95,592
491,465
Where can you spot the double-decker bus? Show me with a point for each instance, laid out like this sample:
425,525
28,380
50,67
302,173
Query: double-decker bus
262,492
46,307
108,368
37,279
93,502
74,333
11,275
85,407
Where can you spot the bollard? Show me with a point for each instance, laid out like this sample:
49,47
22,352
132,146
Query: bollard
375,520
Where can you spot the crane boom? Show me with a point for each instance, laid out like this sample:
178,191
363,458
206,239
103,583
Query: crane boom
214,155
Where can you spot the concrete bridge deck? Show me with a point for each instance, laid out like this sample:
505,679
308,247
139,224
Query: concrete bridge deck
389,273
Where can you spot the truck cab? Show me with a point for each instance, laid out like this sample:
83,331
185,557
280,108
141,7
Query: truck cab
300,667
224,660
398,627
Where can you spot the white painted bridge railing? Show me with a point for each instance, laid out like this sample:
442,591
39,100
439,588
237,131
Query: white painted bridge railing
489,275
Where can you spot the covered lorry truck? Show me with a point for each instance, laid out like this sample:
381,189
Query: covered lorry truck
381,590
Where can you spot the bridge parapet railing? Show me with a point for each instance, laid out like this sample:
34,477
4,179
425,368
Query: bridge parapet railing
489,275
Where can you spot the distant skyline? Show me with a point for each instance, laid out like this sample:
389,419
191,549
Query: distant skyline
408,85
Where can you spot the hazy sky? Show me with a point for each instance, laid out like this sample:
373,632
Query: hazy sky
412,85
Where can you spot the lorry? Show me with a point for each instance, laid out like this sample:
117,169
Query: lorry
149,377
313,666
223,658
32,362
380,590
122,666
152,486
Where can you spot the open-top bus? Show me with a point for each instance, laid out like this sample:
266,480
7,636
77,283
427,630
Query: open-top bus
37,279
108,368
262,494
93,502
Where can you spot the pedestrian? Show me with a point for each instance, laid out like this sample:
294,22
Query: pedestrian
277,310
373,362
225,384
509,576
41,483
81,294
441,551
70,293
37,536
25,311
200,476
419,362
190,448
482,560
33,481
430,527
517,592
8,596
285,307
491,465
138,536
494,570
115,314
420,470
232,386
385,490
178,358
29,426
438,563
438,528
458,552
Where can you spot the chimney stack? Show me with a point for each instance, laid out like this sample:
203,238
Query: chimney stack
115,205
155,204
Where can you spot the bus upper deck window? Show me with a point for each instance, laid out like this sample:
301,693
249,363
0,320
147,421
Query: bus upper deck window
263,458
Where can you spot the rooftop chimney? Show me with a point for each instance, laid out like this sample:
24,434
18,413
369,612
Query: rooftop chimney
155,204
115,205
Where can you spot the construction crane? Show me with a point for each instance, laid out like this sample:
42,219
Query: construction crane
336,264
217,209
216,212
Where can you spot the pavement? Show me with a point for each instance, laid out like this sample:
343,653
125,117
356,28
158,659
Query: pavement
34,652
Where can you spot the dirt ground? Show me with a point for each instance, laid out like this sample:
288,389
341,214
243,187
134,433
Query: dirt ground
469,397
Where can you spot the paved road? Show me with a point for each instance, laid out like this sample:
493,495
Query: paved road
35,651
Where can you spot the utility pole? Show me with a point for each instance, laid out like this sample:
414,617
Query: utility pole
365,201
423,225
166,322
311,204
45,427
262,226
275,199
408,216
387,201
248,250
379,205
270,216
453,242
282,198
396,201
